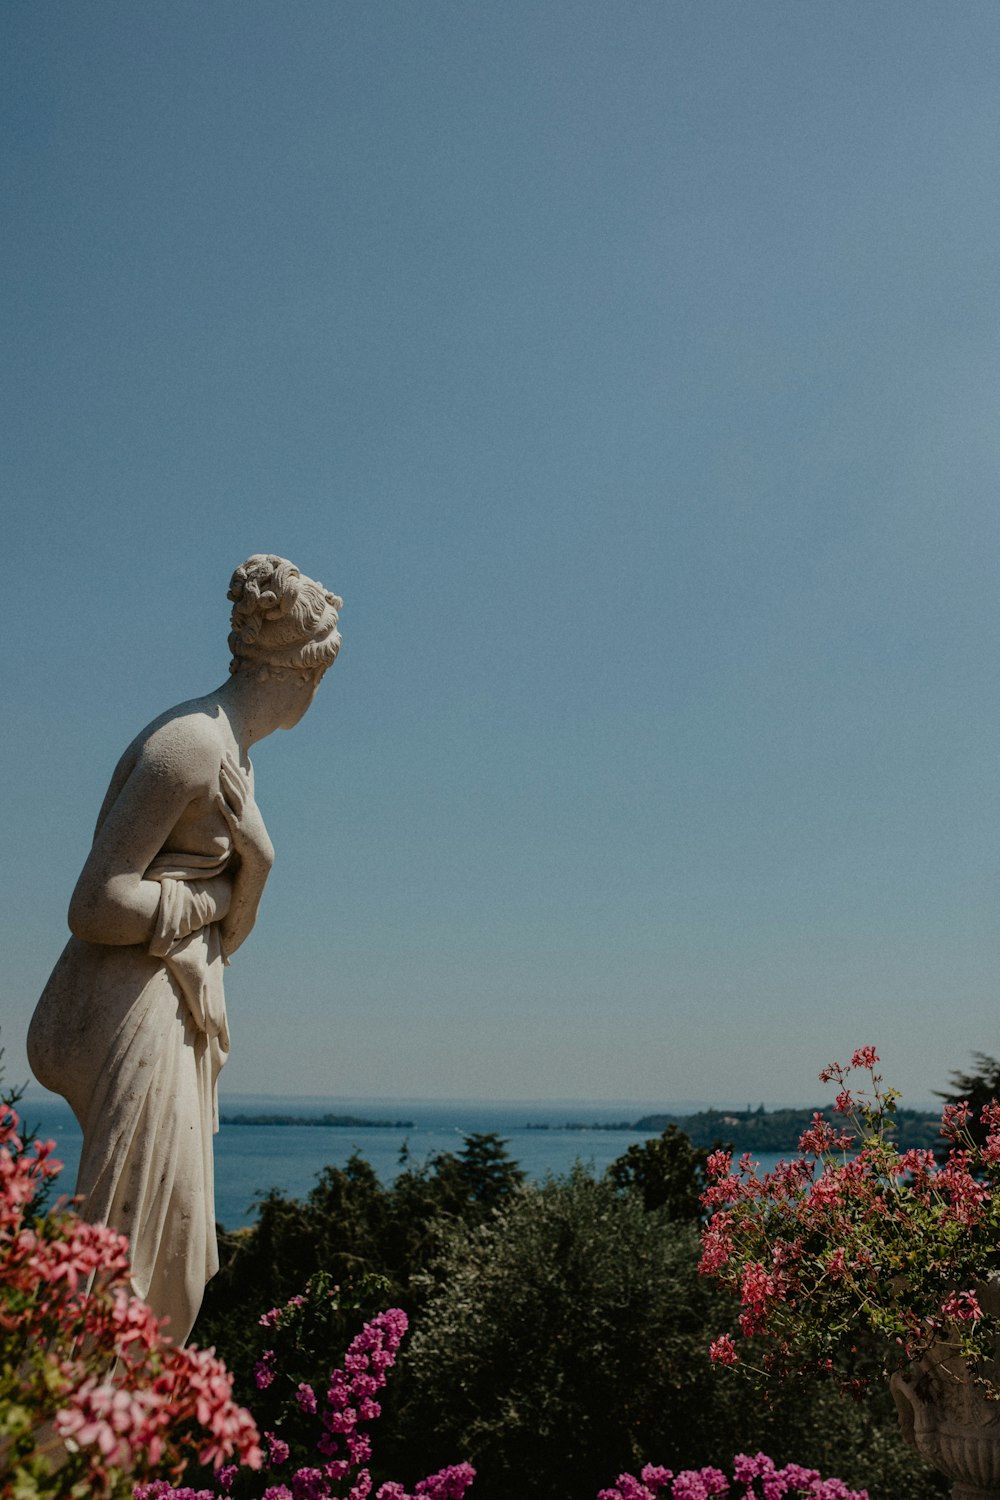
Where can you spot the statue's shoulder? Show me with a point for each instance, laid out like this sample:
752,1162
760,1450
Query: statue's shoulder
183,745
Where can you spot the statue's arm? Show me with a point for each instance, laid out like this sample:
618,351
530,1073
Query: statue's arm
112,902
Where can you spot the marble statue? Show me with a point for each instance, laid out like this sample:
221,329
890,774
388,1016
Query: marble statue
131,1028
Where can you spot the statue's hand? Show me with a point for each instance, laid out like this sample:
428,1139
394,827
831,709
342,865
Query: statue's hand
246,826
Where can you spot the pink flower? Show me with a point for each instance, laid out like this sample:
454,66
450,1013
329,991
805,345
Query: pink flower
111,1420
954,1118
966,1194
700,1484
359,1447
277,1449
719,1163
836,1265
341,1421
758,1286
716,1243
628,1488
448,1484
309,1484
864,1057
964,1306
722,1351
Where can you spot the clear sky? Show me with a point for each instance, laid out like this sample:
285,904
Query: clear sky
632,369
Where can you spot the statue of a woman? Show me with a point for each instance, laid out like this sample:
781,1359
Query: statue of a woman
131,1027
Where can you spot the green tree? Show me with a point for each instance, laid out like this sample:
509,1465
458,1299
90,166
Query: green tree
487,1174
667,1172
555,1337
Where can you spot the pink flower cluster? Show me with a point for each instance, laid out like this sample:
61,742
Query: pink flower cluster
80,1353
702,1484
853,1232
449,1484
336,1467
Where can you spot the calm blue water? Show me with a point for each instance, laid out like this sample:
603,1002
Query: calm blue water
249,1159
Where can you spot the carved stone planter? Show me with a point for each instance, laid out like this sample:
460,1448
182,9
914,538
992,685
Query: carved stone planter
950,1422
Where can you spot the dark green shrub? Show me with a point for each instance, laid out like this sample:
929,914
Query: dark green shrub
560,1344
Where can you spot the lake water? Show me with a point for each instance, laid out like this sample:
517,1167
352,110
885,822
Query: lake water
250,1159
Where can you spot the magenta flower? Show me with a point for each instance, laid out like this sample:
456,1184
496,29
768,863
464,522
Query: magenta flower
306,1397
448,1484
704,1484
277,1449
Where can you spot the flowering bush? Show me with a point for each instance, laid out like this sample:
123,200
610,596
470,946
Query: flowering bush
95,1402
92,1394
318,1446
701,1484
855,1234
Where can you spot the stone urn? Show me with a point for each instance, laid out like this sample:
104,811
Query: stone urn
948,1419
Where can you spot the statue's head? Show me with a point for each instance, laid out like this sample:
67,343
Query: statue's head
281,620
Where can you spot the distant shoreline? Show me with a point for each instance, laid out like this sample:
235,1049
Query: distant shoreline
761,1129
758,1129
336,1122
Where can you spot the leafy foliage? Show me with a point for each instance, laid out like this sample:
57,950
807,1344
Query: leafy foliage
349,1228
554,1340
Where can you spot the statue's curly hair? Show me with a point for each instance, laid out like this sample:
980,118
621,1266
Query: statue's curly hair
281,618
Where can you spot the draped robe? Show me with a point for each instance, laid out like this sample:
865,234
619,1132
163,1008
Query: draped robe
134,1037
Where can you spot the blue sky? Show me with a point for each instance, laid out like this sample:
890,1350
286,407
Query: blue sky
632,371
